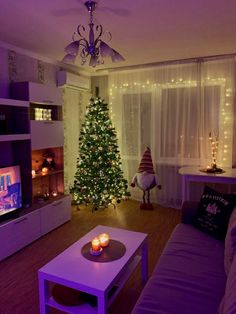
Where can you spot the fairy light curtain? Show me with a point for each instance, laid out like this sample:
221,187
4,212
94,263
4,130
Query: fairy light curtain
75,102
172,109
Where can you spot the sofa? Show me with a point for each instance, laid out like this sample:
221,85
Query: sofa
190,276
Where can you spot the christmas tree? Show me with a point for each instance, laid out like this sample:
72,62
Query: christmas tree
99,178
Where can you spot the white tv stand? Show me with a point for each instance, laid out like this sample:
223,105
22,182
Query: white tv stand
25,139
32,224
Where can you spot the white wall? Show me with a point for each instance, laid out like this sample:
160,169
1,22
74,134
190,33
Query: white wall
4,75
17,67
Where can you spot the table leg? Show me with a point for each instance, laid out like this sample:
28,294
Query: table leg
184,189
187,188
144,261
43,295
102,304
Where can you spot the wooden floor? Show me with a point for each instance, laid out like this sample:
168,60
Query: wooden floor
18,273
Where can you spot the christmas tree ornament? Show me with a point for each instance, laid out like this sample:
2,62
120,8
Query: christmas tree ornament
146,179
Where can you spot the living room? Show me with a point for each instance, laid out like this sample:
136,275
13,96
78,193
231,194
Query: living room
174,102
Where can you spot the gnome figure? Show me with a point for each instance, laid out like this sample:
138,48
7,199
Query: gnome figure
146,179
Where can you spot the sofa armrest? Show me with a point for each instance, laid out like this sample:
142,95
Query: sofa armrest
188,211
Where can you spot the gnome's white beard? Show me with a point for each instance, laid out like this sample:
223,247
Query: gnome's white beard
145,180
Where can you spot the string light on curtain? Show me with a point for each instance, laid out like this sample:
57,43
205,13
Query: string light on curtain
174,107
225,129
94,48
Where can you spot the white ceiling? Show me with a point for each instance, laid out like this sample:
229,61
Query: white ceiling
143,31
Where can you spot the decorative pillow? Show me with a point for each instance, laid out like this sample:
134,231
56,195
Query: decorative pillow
230,242
213,212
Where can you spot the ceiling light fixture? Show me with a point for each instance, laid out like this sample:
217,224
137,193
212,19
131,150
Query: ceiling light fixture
96,48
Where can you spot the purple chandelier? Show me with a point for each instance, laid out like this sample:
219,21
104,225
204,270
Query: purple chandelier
95,48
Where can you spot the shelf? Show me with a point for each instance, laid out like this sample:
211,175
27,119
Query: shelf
14,137
14,119
78,309
55,112
50,173
24,142
32,223
37,93
36,205
13,102
124,277
87,308
48,201
40,131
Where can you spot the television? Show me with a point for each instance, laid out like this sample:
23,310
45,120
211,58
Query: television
10,191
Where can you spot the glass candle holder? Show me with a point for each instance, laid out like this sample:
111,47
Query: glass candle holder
54,193
96,244
44,170
104,239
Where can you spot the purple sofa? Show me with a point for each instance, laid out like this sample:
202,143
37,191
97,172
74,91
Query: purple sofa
189,277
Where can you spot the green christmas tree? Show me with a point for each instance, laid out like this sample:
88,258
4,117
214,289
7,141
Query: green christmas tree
99,179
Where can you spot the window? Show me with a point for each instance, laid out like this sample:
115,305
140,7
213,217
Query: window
136,129
185,123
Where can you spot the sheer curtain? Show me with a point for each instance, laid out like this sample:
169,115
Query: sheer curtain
172,109
75,102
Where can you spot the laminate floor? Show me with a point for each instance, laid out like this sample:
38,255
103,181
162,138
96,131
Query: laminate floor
18,273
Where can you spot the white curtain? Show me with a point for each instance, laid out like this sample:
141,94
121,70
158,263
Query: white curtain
75,102
172,109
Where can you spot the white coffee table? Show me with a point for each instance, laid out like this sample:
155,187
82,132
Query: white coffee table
73,270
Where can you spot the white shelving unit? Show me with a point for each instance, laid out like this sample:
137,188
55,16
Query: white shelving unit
14,137
40,131
22,138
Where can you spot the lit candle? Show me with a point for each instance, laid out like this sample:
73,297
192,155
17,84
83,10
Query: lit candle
44,170
54,193
33,173
104,239
96,244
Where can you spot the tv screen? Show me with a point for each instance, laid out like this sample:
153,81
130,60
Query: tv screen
10,189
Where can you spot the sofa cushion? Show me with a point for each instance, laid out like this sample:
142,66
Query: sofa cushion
188,211
228,305
230,242
189,276
213,212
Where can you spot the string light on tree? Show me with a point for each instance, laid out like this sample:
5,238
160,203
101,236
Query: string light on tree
99,178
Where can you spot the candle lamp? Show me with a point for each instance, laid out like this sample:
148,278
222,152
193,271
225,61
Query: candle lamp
104,239
96,247
54,193
44,170
96,244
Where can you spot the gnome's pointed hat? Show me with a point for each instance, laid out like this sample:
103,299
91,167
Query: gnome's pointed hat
146,162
